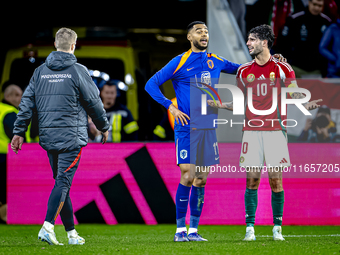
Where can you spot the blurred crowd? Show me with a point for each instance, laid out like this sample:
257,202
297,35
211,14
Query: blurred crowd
307,32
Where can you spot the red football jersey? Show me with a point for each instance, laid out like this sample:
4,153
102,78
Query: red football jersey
262,80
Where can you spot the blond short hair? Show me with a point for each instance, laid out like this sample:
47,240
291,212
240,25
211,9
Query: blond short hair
64,38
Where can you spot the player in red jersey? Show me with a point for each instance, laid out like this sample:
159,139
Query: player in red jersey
264,133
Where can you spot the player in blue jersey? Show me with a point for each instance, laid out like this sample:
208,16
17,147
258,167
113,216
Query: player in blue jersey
192,73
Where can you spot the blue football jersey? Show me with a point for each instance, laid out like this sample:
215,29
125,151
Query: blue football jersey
192,74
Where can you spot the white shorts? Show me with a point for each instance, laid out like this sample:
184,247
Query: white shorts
264,146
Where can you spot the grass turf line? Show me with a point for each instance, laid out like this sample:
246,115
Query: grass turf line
158,239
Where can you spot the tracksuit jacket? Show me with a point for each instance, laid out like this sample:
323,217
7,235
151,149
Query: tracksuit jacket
62,93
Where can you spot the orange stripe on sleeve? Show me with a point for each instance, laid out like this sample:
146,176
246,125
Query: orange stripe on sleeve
215,56
183,60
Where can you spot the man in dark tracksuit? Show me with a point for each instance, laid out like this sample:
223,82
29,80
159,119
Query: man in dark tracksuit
62,93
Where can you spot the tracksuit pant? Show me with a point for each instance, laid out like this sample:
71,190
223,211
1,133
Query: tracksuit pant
64,166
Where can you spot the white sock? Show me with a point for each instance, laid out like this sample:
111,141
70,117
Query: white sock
192,230
71,233
48,226
178,230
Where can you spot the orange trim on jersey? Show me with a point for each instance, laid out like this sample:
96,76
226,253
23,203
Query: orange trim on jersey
74,162
184,58
215,56
210,64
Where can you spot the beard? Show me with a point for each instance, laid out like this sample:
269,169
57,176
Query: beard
200,47
256,52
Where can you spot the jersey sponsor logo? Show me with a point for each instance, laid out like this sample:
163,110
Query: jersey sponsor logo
183,154
250,77
210,64
283,161
261,78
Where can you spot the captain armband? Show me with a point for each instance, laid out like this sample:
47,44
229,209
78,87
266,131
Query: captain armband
293,84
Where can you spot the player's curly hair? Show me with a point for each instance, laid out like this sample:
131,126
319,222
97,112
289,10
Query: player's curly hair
264,32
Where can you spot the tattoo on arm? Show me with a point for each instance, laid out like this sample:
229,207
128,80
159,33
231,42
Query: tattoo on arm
229,105
297,95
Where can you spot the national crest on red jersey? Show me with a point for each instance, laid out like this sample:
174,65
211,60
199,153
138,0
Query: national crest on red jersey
262,80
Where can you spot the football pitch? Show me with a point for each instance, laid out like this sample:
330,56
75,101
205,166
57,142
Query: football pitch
158,239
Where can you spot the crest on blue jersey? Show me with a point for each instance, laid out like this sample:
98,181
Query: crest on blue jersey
204,79
183,154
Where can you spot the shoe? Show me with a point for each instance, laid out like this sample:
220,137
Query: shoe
250,234
74,238
277,233
196,237
181,237
48,236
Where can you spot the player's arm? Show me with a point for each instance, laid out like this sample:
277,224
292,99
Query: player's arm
26,108
309,105
326,40
227,66
24,116
230,105
217,104
90,100
290,82
279,57
153,89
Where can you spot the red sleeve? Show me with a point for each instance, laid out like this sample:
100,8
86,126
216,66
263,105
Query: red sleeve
289,75
240,80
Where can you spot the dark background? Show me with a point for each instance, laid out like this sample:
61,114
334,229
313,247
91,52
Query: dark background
20,23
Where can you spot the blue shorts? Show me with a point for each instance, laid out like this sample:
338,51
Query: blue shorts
196,146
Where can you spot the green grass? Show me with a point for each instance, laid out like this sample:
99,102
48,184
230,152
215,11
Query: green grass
142,239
